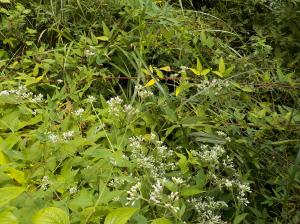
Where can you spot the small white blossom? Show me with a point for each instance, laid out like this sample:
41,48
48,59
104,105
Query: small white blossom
78,112
133,193
73,190
91,99
45,183
68,135
53,137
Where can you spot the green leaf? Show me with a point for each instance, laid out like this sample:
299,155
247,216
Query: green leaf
191,191
221,66
239,218
218,73
161,221
4,1
205,72
195,71
51,215
106,31
9,193
6,217
199,65
103,38
119,215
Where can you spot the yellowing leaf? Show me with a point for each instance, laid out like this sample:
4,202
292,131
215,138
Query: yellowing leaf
119,215
9,193
166,68
195,71
218,73
102,38
199,65
150,83
17,175
221,66
205,72
151,68
51,215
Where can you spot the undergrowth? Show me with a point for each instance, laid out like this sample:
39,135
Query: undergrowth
147,111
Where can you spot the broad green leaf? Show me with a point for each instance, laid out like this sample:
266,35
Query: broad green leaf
6,217
205,72
195,71
239,218
183,163
4,1
51,215
190,191
199,65
119,215
159,73
221,66
150,83
165,68
218,73
83,199
9,193
161,221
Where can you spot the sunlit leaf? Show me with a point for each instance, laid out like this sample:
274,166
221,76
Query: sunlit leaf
199,65
218,73
195,71
103,38
205,72
221,66
166,68
51,215
150,83
9,193
119,215
6,217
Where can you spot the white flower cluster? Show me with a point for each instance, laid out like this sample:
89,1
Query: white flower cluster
23,93
89,51
45,183
91,99
142,92
216,84
116,182
78,112
54,138
207,209
222,134
116,107
210,154
232,184
133,194
73,190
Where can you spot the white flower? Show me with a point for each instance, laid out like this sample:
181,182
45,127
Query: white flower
45,183
133,193
178,180
155,195
68,135
221,133
73,190
142,92
91,99
53,137
78,112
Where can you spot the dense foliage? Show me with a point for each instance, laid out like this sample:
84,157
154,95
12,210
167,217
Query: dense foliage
149,111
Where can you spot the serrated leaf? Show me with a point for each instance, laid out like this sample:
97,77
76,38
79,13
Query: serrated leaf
239,218
221,66
51,215
195,71
119,215
9,193
218,73
161,221
150,83
199,65
6,217
205,72
166,69
103,38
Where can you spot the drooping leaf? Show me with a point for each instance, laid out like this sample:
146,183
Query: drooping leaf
51,215
9,193
119,215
